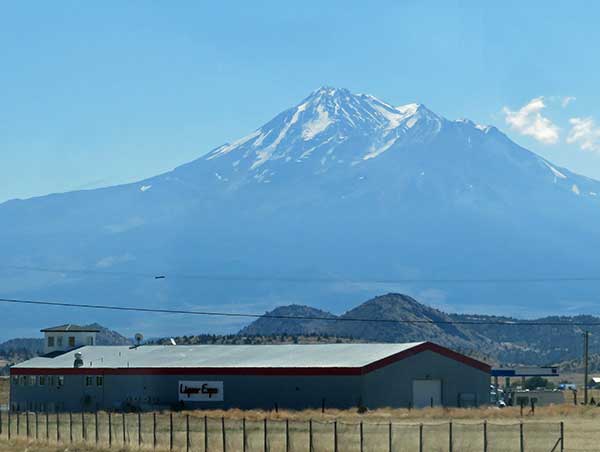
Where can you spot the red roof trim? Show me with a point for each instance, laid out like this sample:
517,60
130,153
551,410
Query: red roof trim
279,371
428,346
283,371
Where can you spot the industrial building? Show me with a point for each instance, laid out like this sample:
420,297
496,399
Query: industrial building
151,377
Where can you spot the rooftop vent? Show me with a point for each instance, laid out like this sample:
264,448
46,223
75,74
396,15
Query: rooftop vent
78,360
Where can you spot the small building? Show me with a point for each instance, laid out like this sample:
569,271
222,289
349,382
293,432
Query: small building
537,397
419,374
62,338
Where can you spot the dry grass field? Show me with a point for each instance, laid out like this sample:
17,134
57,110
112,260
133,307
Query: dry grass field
4,390
31,446
408,428
541,430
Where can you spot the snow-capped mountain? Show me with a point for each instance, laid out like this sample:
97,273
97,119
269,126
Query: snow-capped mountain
336,134
334,127
339,187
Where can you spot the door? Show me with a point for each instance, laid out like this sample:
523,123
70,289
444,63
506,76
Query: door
427,393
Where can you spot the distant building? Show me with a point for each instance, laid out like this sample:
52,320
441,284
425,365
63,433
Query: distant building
59,339
249,376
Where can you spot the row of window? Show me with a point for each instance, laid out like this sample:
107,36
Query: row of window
53,380
90,379
71,340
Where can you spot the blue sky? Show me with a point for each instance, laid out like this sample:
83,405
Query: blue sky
101,93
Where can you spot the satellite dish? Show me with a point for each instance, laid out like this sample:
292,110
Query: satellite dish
139,337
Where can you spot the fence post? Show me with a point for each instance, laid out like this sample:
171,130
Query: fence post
310,436
521,439
362,445
223,433
450,436
287,435
170,431
187,433
18,424
96,425
70,427
244,435
485,438
335,437
139,429
83,432
109,430
154,430
420,437
205,434
123,427
562,436
265,435
57,427
390,440
8,427
27,424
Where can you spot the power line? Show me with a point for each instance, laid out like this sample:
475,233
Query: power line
299,317
307,279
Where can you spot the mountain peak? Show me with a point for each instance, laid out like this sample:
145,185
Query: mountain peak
331,118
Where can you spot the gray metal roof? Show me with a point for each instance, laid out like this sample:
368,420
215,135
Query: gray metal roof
223,356
69,327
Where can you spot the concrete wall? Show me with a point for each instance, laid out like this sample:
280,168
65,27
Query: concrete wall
61,340
391,386
161,391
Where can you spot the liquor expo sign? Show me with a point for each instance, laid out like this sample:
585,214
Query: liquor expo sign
201,391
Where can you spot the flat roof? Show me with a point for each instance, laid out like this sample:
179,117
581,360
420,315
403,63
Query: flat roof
551,371
70,328
232,359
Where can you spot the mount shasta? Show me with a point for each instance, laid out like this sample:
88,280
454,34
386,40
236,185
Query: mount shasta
336,199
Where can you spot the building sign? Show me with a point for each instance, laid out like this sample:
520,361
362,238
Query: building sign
201,391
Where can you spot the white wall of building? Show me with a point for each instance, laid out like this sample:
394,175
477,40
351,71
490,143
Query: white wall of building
66,340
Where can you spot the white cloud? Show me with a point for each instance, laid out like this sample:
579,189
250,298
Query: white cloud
528,120
109,261
585,133
565,101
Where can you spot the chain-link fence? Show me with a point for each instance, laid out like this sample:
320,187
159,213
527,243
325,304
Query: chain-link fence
189,432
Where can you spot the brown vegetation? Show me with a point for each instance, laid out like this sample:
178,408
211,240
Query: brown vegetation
4,390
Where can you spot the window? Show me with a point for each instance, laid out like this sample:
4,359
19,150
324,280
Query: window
60,380
89,380
32,380
59,341
71,341
99,380
23,380
51,380
51,341
15,380
42,380
90,340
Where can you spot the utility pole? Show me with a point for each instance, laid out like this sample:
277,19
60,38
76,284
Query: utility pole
586,346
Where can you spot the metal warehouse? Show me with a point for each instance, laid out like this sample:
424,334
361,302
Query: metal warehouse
150,377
